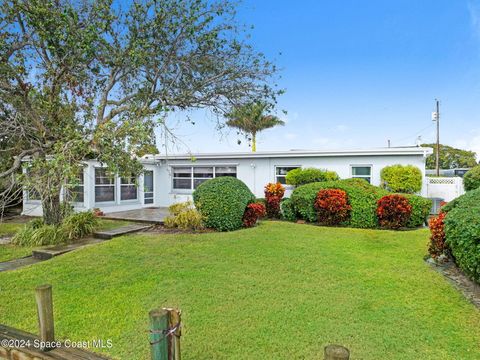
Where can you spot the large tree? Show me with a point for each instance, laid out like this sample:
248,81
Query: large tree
83,79
451,158
251,118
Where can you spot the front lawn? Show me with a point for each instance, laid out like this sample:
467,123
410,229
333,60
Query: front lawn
9,252
278,291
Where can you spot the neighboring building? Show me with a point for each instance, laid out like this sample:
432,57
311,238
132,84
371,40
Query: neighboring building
173,178
448,172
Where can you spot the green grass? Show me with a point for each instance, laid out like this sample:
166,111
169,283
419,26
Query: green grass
278,291
9,252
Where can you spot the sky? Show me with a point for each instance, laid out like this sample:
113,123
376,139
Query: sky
360,73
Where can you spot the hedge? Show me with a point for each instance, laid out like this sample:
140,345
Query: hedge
462,232
471,180
402,178
302,176
362,197
288,210
222,202
420,210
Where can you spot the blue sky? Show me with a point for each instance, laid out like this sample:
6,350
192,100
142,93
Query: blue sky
358,73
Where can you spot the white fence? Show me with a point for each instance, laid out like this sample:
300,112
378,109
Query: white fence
446,188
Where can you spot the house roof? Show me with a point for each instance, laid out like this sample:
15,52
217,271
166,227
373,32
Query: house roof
411,150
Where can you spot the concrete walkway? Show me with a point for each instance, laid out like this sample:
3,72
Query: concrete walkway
146,215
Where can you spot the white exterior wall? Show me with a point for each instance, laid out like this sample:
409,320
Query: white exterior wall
254,171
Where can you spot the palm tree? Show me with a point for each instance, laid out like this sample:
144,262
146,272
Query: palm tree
252,118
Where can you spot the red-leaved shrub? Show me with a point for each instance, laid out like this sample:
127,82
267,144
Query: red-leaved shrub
437,245
273,195
393,211
252,213
332,206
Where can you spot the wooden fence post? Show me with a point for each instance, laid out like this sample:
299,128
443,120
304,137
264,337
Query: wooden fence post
43,296
336,352
174,321
158,340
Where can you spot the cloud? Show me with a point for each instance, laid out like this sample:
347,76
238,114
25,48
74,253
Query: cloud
472,143
474,10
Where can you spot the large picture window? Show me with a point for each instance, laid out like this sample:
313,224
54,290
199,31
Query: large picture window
281,173
362,172
128,188
190,177
104,185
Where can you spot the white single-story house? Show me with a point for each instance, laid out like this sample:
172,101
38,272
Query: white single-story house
168,179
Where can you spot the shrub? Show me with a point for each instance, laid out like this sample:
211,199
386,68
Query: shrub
471,180
222,202
273,196
403,179
184,216
40,236
420,210
75,226
437,246
301,176
393,211
332,206
462,232
361,196
288,210
80,225
253,212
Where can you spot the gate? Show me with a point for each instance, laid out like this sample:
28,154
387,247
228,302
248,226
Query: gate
446,188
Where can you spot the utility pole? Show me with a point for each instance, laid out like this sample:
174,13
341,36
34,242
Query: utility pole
436,117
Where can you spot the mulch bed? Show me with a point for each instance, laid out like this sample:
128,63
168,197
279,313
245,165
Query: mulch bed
455,276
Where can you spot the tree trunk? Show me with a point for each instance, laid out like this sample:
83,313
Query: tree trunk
52,211
254,142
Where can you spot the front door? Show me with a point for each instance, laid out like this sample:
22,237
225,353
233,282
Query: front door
148,187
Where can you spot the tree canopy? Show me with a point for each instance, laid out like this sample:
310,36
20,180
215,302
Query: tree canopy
83,79
451,158
249,119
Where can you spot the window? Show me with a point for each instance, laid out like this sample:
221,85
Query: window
281,173
189,178
32,193
362,172
75,192
148,187
128,188
104,185
182,178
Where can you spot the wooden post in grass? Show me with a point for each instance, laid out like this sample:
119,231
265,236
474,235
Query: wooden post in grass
43,296
174,321
158,338
336,352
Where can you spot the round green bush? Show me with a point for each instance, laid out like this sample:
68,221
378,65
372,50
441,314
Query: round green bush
420,210
301,176
471,180
402,178
222,202
288,210
462,232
